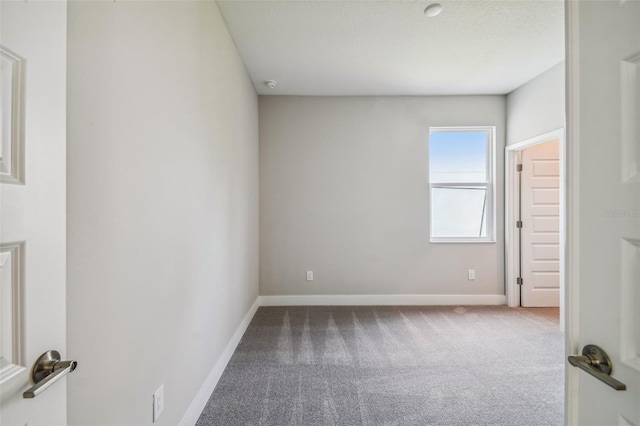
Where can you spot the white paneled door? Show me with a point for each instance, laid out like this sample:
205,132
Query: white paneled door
32,206
604,206
540,217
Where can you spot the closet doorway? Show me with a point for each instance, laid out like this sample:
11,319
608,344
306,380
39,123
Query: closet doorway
535,207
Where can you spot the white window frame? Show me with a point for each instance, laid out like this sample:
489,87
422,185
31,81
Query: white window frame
489,185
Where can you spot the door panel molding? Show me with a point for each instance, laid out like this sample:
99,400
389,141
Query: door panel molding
630,108
630,300
12,164
12,262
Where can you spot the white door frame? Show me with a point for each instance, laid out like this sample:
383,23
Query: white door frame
511,215
572,198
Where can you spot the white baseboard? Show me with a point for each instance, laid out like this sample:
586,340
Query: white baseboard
384,299
195,409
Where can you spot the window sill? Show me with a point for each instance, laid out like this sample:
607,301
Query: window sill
459,241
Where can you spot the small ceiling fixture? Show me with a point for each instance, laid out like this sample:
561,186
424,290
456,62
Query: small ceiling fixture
271,84
433,10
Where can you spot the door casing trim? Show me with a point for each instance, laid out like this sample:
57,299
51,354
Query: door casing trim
572,254
511,211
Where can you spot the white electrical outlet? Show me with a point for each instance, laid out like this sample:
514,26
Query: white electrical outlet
472,274
309,275
158,403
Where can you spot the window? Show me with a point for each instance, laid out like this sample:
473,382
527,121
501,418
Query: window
461,180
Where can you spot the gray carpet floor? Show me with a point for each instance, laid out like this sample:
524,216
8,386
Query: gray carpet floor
391,365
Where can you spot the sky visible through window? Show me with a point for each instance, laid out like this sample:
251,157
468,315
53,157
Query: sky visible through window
458,157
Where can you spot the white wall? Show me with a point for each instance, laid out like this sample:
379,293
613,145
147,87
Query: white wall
537,107
344,192
162,204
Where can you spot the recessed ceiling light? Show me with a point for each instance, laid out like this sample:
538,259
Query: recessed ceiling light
271,84
433,10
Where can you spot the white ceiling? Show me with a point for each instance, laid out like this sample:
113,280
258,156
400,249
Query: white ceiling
392,48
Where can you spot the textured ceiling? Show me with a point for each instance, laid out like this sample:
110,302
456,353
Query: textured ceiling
393,48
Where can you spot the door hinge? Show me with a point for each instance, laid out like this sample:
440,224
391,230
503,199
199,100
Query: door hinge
518,167
519,281
519,224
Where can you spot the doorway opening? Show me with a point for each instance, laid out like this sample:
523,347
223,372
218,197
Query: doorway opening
535,207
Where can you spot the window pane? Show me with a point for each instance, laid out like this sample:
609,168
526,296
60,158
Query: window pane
458,156
459,212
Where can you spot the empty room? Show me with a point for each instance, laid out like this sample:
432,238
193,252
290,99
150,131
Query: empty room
320,212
